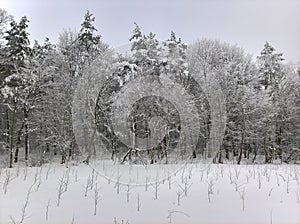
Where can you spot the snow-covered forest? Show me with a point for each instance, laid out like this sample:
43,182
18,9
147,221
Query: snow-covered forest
38,82
89,134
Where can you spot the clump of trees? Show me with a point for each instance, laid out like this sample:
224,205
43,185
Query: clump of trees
38,82
261,100
37,86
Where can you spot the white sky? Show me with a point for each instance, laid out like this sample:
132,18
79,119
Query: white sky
247,23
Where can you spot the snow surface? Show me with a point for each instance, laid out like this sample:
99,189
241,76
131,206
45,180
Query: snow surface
212,195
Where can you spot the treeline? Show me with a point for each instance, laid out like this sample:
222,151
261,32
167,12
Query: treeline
38,82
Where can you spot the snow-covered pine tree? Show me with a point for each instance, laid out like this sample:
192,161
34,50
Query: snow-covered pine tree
270,69
89,42
77,52
17,47
272,77
17,52
175,58
146,52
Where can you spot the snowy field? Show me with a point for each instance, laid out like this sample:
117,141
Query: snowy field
228,193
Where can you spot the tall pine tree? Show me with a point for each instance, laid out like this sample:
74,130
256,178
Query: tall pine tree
270,68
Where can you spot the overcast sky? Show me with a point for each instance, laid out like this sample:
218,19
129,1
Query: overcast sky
247,23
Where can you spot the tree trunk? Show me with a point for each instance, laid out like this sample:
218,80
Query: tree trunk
63,157
266,151
167,145
7,126
243,138
17,150
220,157
207,129
255,153
226,152
234,148
18,143
87,160
71,149
113,157
245,151
11,136
26,139
194,154
279,141
54,148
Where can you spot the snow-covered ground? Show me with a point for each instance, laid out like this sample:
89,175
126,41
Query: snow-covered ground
228,193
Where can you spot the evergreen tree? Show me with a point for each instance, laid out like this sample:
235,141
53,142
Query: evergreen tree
15,87
270,69
77,52
273,78
146,51
17,47
89,41
176,57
